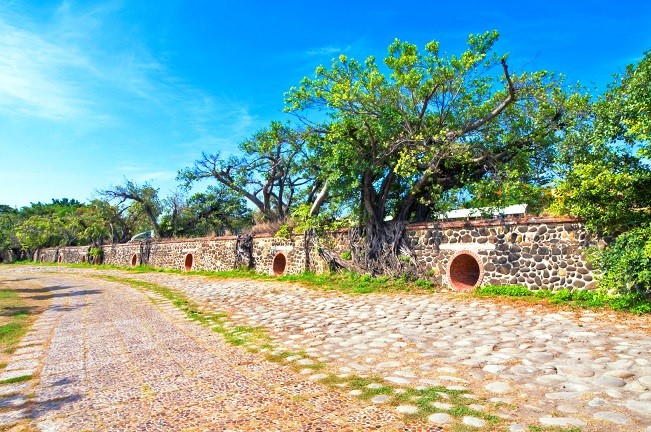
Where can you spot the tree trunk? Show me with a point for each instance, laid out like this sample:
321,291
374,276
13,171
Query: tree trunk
381,249
244,251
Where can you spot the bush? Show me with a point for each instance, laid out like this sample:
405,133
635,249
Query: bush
284,231
346,255
626,262
424,283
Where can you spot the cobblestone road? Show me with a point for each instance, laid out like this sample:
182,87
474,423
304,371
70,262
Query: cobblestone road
108,359
525,365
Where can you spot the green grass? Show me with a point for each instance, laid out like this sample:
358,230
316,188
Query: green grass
353,283
18,379
636,303
347,282
8,294
13,307
553,429
503,290
218,322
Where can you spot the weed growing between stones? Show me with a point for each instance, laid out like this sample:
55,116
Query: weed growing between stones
552,429
369,388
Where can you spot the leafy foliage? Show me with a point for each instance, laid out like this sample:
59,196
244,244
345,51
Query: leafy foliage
624,111
143,198
407,141
609,192
627,261
216,211
607,181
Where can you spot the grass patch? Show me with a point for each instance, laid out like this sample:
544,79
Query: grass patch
19,307
347,282
353,283
8,294
18,379
217,321
553,429
636,303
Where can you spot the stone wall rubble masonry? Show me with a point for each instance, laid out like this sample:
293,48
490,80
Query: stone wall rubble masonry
535,252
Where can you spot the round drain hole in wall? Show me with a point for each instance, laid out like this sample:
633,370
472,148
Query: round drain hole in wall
279,264
134,260
189,261
465,271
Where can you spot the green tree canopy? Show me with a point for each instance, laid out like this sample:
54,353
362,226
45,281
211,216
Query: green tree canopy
143,199
215,211
406,138
403,142
606,181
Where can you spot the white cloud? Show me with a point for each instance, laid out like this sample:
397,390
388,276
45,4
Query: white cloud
328,50
32,76
84,67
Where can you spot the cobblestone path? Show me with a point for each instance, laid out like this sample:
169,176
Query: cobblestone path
525,365
106,358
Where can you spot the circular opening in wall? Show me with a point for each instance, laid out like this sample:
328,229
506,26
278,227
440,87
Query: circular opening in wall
465,272
279,264
189,260
134,260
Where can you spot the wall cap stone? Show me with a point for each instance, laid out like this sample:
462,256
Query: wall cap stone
494,222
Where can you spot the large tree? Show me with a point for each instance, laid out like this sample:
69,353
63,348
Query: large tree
273,172
215,211
404,141
606,182
9,218
141,198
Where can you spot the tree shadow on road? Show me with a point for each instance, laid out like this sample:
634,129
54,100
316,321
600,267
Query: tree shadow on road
12,311
63,294
41,290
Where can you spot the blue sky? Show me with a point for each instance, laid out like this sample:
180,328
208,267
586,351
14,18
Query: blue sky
93,92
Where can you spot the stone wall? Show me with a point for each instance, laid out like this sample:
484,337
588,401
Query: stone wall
534,252
68,254
216,254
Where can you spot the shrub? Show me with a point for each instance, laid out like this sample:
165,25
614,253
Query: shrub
424,283
626,262
284,231
346,255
